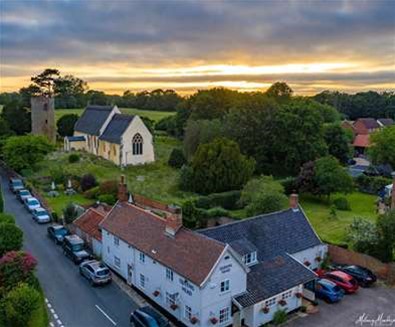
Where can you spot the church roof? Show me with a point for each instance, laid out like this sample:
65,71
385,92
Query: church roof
92,119
115,129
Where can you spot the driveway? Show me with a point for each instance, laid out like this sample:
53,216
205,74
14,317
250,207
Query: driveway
72,301
368,303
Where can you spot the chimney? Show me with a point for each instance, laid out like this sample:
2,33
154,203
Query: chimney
173,220
393,191
122,190
294,201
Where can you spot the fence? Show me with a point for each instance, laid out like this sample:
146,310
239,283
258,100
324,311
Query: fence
384,271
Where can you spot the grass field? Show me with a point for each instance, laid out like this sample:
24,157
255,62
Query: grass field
335,229
154,115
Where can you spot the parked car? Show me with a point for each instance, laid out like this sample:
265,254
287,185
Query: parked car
57,233
31,203
328,291
362,275
23,194
343,280
15,184
41,215
74,248
96,272
148,317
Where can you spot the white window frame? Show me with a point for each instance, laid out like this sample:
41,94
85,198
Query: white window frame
224,315
250,258
142,281
117,262
225,286
286,295
270,302
142,257
169,274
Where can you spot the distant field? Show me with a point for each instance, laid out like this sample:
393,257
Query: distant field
154,115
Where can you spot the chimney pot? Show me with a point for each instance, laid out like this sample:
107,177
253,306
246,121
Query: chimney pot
294,201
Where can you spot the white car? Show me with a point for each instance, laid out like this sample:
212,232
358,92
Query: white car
41,215
31,204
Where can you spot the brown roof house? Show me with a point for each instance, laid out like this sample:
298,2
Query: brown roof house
366,126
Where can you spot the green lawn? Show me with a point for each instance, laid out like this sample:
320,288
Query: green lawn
154,115
335,229
57,204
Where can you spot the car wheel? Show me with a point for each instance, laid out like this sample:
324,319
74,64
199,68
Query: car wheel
91,282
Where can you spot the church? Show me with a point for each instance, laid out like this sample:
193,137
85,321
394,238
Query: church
104,131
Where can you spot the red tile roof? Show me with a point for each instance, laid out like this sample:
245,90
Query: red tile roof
189,254
362,141
89,222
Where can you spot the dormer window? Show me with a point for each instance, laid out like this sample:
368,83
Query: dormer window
250,258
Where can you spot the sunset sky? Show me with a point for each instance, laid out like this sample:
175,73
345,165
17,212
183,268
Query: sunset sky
118,45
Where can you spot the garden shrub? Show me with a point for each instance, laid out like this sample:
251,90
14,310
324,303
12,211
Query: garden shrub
87,182
70,213
342,204
289,184
227,200
186,178
19,305
279,317
93,193
370,184
108,187
177,158
11,238
55,217
58,175
217,212
6,218
74,157
107,198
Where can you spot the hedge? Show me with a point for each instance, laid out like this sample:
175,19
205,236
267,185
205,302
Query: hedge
371,185
227,200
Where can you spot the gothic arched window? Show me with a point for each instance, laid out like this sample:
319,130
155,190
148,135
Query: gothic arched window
137,144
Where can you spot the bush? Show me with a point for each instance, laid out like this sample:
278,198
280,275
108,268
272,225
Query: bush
186,178
70,213
107,198
109,187
217,212
65,125
55,217
370,184
58,175
87,182
1,200
227,200
6,218
177,158
11,238
280,316
19,305
93,193
342,204
74,157
290,185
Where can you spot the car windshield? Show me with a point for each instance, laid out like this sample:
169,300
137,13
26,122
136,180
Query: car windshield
24,192
33,202
42,213
17,183
78,247
61,231
336,288
103,272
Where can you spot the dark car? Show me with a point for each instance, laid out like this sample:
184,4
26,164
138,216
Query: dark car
363,276
148,317
328,291
96,272
57,233
15,184
343,280
74,248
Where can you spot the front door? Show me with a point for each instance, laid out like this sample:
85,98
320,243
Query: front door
130,274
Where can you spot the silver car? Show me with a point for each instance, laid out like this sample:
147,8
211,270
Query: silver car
41,215
96,272
31,203
23,194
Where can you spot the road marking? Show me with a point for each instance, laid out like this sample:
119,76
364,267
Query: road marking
55,316
59,322
49,305
46,300
106,315
52,311
51,324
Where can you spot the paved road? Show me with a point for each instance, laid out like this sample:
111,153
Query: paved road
371,302
74,301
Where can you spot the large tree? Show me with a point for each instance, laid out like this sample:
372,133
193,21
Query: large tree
338,142
46,81
17,117
280,91
66,124
382,150
219,166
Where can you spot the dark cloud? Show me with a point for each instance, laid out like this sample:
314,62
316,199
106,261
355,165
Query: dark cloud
155,33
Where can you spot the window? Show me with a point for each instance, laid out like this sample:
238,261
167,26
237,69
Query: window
224,315
142,257
225,286
137,143
142,280
270,302
170,299
188,312
249,258
169,274
116,241
286,295
117,262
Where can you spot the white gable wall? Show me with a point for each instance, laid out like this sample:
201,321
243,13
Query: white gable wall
127,157
311,254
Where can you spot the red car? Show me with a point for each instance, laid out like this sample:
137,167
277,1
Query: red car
343,280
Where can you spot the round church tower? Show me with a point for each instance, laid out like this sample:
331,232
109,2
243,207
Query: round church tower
43,117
